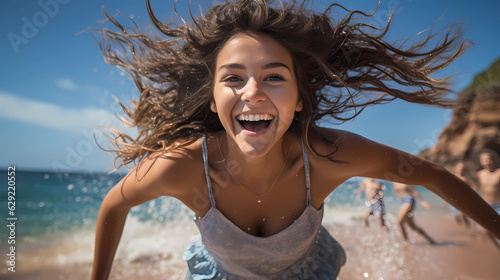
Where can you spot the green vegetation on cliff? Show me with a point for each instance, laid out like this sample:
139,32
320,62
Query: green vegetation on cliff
488,78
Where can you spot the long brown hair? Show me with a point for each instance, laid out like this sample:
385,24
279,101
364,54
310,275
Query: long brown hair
341,67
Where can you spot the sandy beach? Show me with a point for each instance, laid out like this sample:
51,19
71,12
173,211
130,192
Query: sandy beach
460,253
372,253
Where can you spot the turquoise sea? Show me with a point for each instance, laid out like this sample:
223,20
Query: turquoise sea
57,211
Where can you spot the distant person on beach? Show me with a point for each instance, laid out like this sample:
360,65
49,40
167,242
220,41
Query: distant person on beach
228,118
406,215
489,183
374,193
460,217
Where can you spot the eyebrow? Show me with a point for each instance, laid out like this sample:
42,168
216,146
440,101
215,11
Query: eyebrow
267,66
275,65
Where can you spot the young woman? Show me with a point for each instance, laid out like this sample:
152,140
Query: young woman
406,215
228,124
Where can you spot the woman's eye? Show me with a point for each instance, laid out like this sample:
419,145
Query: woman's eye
275,78
232,79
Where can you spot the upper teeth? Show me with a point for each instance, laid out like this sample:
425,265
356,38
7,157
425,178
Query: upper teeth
255,117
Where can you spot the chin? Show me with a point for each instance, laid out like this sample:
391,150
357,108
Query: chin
255,146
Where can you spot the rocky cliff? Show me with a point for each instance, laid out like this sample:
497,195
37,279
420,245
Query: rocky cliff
475,124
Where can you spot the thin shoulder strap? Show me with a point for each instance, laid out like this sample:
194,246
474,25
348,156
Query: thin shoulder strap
306,167
205,164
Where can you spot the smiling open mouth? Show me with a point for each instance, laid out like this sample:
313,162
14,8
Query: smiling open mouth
255,122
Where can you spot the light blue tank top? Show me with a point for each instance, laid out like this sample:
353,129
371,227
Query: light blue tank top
303,250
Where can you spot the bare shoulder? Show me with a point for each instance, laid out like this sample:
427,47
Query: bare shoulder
173,170
349,148
497,172
330,140
174,173
335,150
338,155
368,158
488,174
482,173
326,140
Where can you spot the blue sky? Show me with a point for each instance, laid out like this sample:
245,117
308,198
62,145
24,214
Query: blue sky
56,89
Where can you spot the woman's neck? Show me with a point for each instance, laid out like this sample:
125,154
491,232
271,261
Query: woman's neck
256,174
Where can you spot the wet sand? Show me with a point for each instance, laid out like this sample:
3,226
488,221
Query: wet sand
460,253
372,253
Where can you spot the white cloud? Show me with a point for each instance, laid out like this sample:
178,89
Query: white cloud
53,116
67,84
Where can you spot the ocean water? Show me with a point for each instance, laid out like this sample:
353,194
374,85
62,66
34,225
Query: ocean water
56,215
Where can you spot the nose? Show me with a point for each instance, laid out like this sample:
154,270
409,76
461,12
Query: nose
252,92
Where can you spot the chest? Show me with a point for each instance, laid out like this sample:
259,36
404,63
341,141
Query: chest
262,215
489,180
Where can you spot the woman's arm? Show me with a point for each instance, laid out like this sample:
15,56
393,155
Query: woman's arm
154,178
367,158
402,167
109,227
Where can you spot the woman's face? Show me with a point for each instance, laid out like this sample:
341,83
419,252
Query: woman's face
255,91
